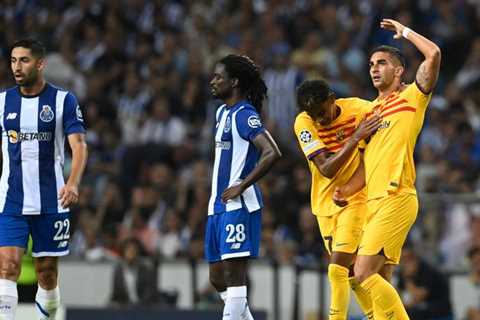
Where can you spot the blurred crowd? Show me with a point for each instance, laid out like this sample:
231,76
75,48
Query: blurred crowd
141,69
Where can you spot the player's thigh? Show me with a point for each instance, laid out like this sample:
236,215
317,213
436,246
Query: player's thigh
387,228
211,245
14,231
327,226
14,234
233,234
50,234
349,228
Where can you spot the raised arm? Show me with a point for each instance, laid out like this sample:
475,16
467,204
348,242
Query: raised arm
269,154
427,73
329,166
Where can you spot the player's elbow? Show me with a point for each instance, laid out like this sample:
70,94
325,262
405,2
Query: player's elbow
435,54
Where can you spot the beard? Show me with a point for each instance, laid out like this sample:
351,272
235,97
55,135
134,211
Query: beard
222,95
28,80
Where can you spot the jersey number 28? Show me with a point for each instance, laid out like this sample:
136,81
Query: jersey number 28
236,233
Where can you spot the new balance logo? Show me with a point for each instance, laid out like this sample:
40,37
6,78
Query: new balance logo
63,244
11,115
236,246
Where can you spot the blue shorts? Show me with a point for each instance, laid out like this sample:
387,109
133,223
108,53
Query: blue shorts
50,233
233,234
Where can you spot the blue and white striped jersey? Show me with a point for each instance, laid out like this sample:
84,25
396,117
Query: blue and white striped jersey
33,142
235,157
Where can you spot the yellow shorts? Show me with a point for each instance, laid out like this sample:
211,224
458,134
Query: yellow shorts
342,231
387,224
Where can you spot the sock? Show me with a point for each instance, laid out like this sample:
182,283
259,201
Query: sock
223,296
247,315
385,298
236,303
8,299
47,303
340,292
363,298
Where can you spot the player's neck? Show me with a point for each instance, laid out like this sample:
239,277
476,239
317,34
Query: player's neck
383,93
233,101
34,89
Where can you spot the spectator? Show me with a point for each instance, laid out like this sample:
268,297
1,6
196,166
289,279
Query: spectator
425,290
473,309
134,277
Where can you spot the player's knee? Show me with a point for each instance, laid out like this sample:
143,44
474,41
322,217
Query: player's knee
9,269
362,272
234,277
217,281
337,273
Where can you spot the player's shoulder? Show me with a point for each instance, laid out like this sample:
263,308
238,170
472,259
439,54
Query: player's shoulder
63,91
303,120
247,108
246,111
11,90
412,89
354,104
303,116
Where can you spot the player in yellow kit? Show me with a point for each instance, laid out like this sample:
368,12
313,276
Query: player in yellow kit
329,131
389,168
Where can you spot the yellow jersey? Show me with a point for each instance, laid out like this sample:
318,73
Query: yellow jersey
315,138
389,166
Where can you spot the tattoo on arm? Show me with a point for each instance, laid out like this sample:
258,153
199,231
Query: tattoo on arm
424,78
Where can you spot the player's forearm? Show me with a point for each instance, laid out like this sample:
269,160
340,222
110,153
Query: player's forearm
265,163
427,47
79,161
356,182
332,165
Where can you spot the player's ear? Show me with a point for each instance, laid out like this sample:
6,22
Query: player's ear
399,71
41,64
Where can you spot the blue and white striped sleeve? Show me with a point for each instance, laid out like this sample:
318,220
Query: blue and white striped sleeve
249,124
72,116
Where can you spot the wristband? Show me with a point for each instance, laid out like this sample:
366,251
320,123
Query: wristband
405,32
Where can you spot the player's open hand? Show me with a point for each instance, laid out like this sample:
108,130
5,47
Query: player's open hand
68,195
339,198
232,192
393,25
367,127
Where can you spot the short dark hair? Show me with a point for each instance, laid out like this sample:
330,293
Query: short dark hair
249,78
36,47
311,93
392,51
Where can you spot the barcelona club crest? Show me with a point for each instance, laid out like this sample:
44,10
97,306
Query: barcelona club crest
46,115
340,134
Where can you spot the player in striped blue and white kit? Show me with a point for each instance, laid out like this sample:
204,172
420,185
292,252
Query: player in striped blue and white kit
35,118
244,152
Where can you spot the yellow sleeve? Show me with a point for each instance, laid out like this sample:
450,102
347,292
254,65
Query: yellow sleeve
415,95
307,136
